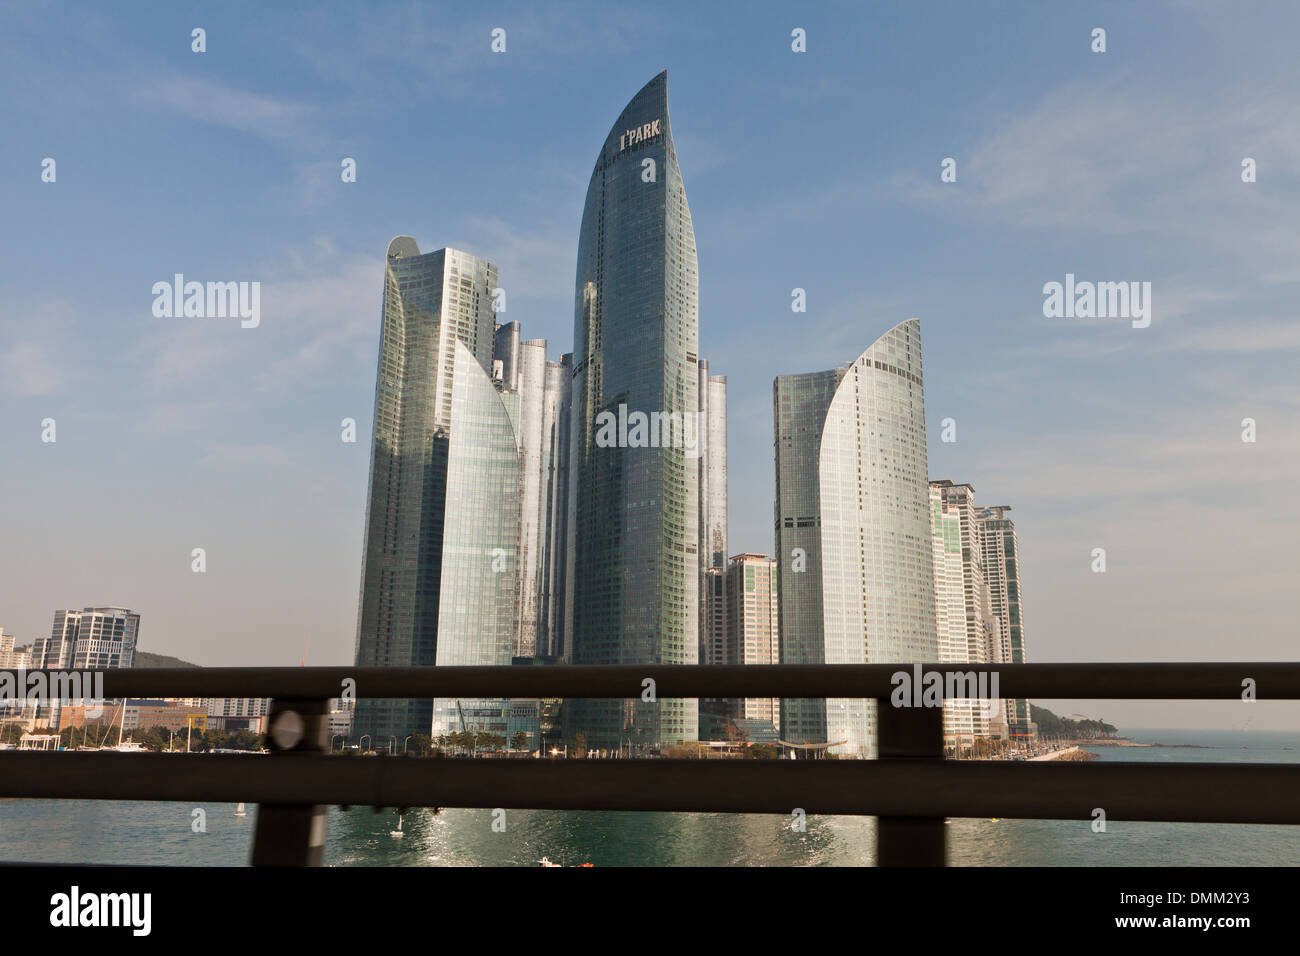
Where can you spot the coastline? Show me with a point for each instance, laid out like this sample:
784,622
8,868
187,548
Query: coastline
1107,742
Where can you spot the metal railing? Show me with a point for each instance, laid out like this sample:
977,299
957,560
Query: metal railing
911,788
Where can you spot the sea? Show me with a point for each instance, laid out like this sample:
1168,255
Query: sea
148,833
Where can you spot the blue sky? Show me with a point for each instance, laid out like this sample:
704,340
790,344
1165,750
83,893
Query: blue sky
817,170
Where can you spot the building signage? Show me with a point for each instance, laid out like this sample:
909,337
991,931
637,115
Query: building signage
640,134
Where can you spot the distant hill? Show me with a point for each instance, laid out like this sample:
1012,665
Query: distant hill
145,659
1050,725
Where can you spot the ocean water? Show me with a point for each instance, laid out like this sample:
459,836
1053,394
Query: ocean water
88,831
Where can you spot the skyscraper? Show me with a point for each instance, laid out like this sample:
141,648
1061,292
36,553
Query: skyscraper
1001,552
534,524
556,404
713,540
966,628
634,562
853,528
713,468
439,573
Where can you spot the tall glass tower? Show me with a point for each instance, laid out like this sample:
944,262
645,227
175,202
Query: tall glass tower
634,562
438,569
853,528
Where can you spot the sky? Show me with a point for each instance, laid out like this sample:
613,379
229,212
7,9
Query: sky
818,170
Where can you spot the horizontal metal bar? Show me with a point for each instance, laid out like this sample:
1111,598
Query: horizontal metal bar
1193,792
1118,681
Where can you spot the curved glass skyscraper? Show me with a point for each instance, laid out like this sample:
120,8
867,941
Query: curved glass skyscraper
438,570
634,563
853,528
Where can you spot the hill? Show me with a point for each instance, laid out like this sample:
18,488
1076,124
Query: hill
1050,725
145,659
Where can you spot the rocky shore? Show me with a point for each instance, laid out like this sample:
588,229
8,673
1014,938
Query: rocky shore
1075,755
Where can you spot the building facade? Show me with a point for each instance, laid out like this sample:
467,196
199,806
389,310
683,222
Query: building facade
237,706
11,657
713,533
534,516
713,468
96,638
966,629
753,637
1001,553
633,577
442,506
556,407
852,519
478,612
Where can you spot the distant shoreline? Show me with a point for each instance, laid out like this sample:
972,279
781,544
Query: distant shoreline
1109,742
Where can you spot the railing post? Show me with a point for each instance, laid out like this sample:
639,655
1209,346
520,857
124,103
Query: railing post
910,733
292,834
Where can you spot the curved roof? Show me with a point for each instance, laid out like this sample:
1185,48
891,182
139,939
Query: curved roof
649,104
401,247
877,351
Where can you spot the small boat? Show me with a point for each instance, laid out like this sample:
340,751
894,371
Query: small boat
398,831
240,811
545,861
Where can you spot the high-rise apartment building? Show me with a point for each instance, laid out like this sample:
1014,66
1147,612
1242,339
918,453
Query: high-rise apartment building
94,639
741,627
1001,554
634,500
439,573
236,706
853,535
11,657
714,649
966,628
753,632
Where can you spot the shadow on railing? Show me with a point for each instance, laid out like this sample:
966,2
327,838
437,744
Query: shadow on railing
911,788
